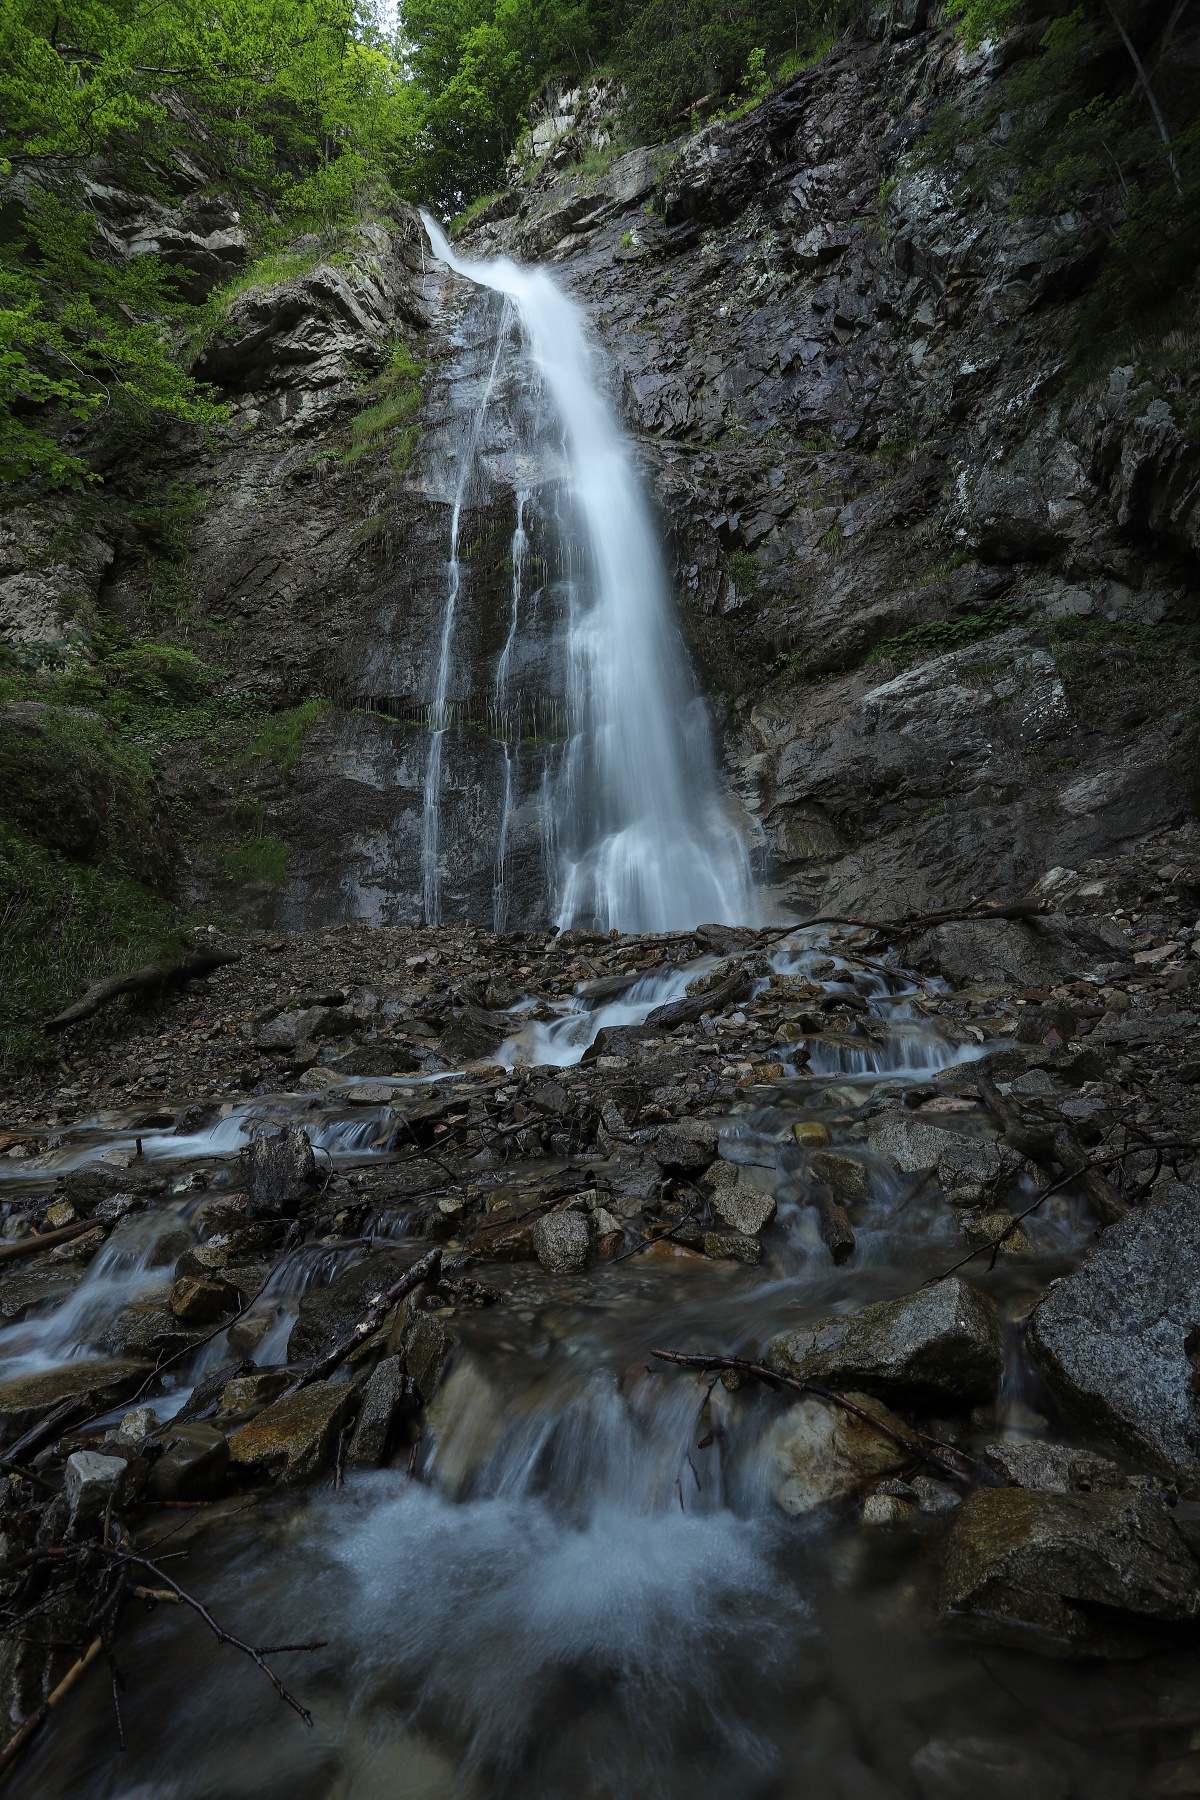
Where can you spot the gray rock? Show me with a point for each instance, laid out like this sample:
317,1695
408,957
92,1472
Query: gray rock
382,1398
972,1170
979,1768
1066,1574
90,1481
687,1146
427,1348
194,1463
935,1496
327,1314
1109,1339
940,1343
911,1143
561,1242
1052,1468
741,1205
281,1172
849,1177
732,1246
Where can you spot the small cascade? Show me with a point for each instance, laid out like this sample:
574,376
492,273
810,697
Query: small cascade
439,716
509,726
640,836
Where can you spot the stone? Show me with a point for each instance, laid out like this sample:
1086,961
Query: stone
136,1425
427,1348
295,1436
816,1454
911,1143
1066,1574
687,1146
986,1769
889,1509
561,1242
737,1201
196,1301
245,1393
1051,1468
327,1314
942,1343
971,1170
810,1134
90,1481
732,1246
26,1398
382,1399
935,1496
1110,1338
466,1418
194,1464
280,1173
848,1176
989,1228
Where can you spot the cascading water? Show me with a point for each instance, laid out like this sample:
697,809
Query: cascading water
508,726
643,840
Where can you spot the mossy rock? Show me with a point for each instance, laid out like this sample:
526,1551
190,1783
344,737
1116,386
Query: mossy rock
69,787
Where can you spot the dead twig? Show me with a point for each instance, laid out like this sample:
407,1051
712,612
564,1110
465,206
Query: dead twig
151,975
44,1240
425,1269
30,1726
950,1462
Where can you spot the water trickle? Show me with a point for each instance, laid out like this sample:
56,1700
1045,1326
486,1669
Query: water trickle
641,836
509,727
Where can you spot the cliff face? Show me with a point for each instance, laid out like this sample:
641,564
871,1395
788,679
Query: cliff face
907,548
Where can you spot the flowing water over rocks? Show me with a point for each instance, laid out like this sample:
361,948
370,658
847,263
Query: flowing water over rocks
535,1558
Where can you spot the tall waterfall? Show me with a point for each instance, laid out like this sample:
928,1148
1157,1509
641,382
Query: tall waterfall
644,841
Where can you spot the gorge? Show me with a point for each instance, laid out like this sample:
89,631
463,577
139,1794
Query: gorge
638,1233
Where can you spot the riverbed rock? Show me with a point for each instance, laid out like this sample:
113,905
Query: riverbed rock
194,1463
1110,1339
427,1350
90,1481
816,1454
561,1242
1051,1468
1066,1574
911,1143
295,1437
736,1200
848,1176
327,1314
280,1173
986,1769
940,1344
686,1147
732,1246
197,1301
466,1419
26,1398
382,1399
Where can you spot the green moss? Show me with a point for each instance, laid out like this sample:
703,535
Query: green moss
257,858
937,635
63,924
394,413
744,572
281,739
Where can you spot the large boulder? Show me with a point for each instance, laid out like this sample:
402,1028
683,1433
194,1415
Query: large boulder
1111,1339
561,1242
737,1201
281,1172
687,1146
816,1454
940,1344
24,1399
295,1437
327,1314
1066,1574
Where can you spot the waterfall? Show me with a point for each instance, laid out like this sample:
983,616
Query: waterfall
642,838
509,726
438,713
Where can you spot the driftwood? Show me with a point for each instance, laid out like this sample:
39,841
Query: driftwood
45,1240
690,1009
152,975
947,1461
37,1718
426,1269
1052,1150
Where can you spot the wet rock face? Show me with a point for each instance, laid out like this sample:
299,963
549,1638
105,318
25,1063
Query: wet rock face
942,1343
295,1436
1066,1574
1112,1339
561,1242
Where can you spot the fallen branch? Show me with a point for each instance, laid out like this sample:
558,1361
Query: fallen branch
930,1449
152,975
426,1269
30,1726
909,922
44,1240
1051,1149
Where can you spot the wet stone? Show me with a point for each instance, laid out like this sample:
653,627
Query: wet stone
986,1769
817,1454
281,1172
737,1202
849,1178
246,1392
912,1145
194,1463
90,1481
732,1246
1066,1574
295,1437
382,1399
327,1313
687,1146
1051,1468
25,1398
195,1301
941,1343
561,1242
427,1348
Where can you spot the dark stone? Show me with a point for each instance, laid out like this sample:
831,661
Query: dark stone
327,1314
194,1464
280,1174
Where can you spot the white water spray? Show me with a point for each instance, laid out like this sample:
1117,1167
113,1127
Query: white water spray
644,840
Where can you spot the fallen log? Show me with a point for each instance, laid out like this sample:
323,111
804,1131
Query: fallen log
40,1714
910,922
45,1240
137,981
426,1269
1052,1150
930,1449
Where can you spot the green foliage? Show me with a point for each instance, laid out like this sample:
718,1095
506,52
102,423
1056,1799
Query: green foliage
63,924
394,414
934,636
256,858
744,572
281,739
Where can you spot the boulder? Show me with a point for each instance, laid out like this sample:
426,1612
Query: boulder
848,1176
732,1246
687,1146
816,1454
1051,1468
736,1200
194,1464
1110,1339
295,1436
327,1314
1066,1574
90,1481
24,1399
472,1035
910,1142
196,1301
280,1173
382,1399
427,1348
940,1344
561,1242
466,1419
